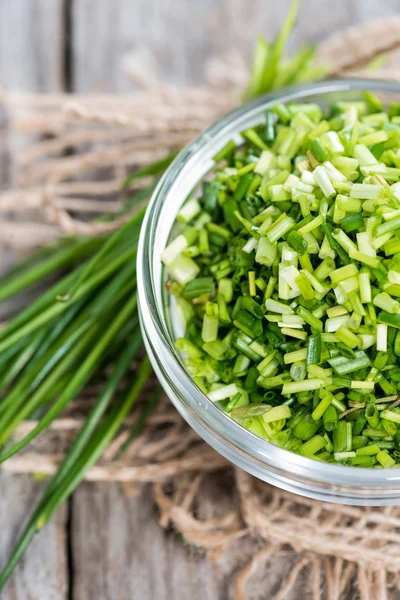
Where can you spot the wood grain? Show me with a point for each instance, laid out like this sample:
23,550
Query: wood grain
173,39
120,551
42,573
31,45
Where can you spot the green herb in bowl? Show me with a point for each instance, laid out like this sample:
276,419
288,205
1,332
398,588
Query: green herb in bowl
286,271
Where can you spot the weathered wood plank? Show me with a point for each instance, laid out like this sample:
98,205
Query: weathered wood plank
120,551
42,573
31,55
31,45
176,39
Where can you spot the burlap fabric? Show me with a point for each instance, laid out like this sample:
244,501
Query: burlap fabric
66,158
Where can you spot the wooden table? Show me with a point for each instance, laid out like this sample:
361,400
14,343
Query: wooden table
106,542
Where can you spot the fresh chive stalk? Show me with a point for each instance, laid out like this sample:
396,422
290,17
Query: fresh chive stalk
64,340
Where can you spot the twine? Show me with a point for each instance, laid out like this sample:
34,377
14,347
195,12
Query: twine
70,156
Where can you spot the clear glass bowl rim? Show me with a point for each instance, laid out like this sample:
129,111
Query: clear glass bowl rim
159,342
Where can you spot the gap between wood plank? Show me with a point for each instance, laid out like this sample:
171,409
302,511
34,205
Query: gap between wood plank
67,65
69,549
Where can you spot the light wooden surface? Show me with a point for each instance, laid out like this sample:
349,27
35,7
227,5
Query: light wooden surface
43,574
32,45
85,44
130,555
174,39
106,543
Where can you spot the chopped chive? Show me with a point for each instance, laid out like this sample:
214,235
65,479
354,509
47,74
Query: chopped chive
310,318
293,387
297,242
385,460
276,413
320,410
319,151
314,349
294,284
313,445
330,418
225,152
339,437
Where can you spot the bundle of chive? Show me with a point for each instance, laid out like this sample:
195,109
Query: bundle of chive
64,340
286,271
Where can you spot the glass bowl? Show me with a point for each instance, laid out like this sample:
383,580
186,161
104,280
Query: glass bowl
289,471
